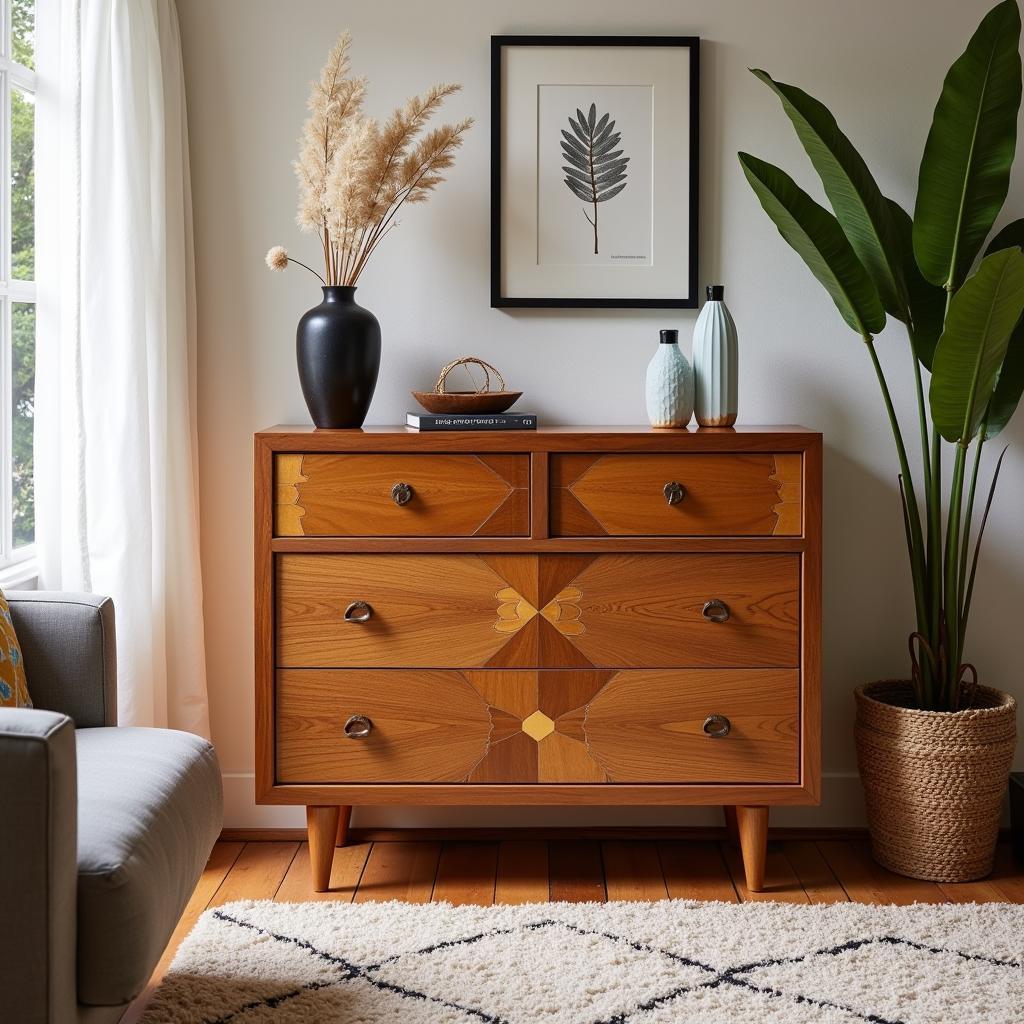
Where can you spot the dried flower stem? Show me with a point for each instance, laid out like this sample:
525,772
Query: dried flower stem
292,259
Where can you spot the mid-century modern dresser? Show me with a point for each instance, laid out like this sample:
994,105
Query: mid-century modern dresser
568,616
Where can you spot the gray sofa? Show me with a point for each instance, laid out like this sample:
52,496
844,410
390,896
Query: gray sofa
104,831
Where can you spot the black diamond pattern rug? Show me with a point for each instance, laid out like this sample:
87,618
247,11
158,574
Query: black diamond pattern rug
617,963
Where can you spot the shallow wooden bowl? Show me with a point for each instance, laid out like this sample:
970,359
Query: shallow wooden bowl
467,401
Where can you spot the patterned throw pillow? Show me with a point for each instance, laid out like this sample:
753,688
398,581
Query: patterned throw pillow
13,687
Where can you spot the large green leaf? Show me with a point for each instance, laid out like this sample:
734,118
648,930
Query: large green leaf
1010,385
982,315
965,170
816,235
927,301
859,206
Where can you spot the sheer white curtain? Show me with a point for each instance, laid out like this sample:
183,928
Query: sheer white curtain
116,464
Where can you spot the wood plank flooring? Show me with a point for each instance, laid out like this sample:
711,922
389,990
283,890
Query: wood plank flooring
574,870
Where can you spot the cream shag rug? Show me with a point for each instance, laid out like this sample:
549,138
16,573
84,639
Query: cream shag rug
619,963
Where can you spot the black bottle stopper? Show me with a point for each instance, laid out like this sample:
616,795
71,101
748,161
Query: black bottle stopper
669,337
716,292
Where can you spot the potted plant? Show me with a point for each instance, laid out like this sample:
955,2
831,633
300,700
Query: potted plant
934,749
354,176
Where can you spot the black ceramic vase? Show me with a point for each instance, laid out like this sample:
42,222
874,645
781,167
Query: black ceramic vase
338,349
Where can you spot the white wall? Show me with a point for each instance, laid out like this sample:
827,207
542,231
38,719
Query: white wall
877,64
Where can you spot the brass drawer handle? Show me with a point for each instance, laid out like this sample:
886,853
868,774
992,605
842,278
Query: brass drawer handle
358,611
715,611
358,727
674,492
401,494
717,726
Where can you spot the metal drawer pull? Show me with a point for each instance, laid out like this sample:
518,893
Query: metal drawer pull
358,611
401,494
674,492
715,611
717,726
358,727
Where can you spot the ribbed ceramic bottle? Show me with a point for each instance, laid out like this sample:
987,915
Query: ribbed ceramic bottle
715,358
669,385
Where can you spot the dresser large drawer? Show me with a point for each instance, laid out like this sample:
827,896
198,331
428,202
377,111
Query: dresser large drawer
360,495
652,726
676,495
526,611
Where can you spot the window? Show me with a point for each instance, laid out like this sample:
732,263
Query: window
17,279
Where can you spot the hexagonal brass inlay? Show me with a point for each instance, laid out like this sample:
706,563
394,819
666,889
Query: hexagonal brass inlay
538,725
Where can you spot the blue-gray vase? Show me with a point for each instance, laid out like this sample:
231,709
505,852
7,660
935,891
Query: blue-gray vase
715,362
669,385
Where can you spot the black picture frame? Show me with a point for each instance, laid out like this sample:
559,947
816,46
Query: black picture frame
500,301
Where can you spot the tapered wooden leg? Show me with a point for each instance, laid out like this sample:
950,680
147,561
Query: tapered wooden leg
732,829
344,817
753,829
322,828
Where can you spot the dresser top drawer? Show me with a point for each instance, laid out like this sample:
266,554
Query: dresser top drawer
676,495
427,495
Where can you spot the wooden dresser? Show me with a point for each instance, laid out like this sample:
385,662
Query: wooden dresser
568,616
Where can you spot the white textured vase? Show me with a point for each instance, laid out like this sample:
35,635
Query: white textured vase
669,385
715,358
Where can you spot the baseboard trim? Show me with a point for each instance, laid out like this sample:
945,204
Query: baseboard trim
527,834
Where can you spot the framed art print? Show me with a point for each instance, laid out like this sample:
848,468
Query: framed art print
594,171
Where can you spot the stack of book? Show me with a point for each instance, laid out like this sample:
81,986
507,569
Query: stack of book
471,421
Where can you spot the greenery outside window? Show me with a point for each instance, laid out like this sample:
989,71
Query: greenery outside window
17,279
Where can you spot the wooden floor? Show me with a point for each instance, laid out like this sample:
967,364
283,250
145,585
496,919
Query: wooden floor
799,871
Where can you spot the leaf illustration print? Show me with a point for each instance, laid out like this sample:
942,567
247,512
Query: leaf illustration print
595,171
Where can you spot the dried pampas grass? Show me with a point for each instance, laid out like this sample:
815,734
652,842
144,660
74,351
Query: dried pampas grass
354,174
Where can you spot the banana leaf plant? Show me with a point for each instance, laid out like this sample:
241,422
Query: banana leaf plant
960,300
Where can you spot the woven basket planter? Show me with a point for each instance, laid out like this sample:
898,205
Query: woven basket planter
934,780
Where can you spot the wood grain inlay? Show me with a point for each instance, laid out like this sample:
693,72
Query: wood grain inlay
562,611
288,512
788,508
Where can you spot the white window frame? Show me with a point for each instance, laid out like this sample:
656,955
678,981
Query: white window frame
16,565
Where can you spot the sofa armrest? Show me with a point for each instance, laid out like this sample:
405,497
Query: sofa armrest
38,857
67,641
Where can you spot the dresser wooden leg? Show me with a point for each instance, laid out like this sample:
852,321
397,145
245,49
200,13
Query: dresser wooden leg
344,817
322,828
732,829
753,829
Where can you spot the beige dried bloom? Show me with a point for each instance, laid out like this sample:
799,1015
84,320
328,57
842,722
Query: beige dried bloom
419,173
346,198
397,135
334,102
354,173
277,257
